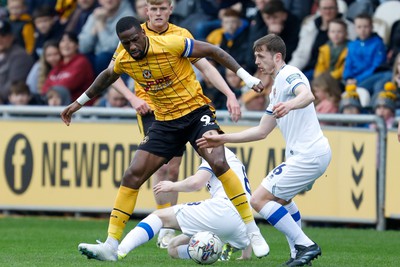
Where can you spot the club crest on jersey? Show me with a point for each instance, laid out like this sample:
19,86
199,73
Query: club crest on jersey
146,74
293,77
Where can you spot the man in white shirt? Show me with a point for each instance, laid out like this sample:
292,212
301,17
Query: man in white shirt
308,152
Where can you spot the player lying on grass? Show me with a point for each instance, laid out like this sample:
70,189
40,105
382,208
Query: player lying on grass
217,214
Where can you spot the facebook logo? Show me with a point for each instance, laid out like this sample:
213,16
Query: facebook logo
18,164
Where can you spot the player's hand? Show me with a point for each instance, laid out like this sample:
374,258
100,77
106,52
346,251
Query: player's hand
258,87
234,108
281,109
210,141
66,114
141,107
163,186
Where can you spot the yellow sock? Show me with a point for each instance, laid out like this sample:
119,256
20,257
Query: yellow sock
163,206
123,208
234,190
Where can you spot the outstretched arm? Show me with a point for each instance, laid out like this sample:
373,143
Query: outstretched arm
190,184
267,124
203,49
102,82
216,79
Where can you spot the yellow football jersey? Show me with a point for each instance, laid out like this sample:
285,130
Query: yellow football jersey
171,30
166,75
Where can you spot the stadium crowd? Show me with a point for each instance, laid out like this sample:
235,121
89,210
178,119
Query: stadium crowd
51,50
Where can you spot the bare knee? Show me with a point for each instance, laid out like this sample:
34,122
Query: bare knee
173,249
218,165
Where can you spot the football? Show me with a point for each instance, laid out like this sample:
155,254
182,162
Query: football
205,247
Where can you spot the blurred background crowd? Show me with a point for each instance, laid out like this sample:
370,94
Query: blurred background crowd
52,50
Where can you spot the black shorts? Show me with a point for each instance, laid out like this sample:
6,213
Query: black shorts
165,138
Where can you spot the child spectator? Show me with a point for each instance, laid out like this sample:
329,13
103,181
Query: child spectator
74,72
332,55
21,24
350,102
327,93
232,36
384,105
112,99
14,61
47,26
58,96
365,54
48,60
20,95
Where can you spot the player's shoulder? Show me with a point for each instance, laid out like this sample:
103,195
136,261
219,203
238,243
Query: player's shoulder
177,30
288,74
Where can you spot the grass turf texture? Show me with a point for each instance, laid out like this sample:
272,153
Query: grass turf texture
48,241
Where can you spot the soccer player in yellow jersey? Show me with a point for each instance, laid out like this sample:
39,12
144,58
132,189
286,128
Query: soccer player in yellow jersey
158,13
159,64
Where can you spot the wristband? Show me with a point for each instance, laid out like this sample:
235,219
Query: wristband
83,99
249,80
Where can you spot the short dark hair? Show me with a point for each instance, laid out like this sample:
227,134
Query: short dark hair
340,22
364,16
19,87
127,23
274,6
273,43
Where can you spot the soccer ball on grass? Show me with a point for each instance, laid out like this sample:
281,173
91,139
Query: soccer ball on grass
205,247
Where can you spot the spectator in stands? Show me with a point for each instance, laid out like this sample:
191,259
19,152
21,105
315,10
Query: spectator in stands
58,96
327,93
283,23
47,26
141,10
364,54
98,38
300,9
21,24
384,105
50,58
391,68
15,63
80,15
313,34
232,36
20,95
350,104
332,55
112,99
74,72
253,101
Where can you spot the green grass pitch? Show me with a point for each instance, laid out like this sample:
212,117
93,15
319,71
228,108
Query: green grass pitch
49,241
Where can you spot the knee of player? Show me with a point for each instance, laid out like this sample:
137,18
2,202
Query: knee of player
255,204
218,165
132,179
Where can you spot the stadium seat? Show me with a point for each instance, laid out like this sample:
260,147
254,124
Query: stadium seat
359,7
389,12
382,29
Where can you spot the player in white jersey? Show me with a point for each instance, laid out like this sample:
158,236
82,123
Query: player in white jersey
217,214
308,152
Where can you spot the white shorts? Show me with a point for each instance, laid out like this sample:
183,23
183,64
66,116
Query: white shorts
295,175
216,215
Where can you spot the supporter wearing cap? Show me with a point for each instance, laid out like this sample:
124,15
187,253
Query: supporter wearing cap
15,63
350,102
384,104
